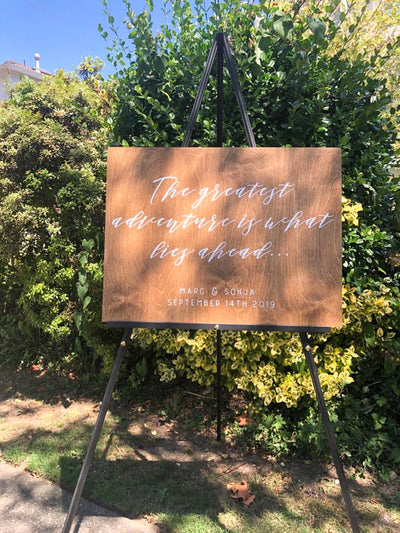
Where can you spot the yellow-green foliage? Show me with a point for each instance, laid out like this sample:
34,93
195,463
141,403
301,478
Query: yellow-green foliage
271,366
350,211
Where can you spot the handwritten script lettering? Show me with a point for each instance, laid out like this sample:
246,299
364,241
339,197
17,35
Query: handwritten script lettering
168,187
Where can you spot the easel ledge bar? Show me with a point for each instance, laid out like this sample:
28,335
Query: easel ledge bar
230,327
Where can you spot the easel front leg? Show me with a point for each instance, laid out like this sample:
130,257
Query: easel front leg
219,384
329,431
96,433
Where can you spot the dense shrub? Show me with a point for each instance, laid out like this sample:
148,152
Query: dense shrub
52,178
299,92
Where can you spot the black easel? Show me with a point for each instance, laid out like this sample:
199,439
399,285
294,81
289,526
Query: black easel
220,48
96,433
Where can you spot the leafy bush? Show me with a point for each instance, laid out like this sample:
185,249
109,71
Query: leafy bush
271,366
299,91
52,178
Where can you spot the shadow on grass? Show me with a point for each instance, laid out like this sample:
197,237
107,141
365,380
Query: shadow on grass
152,475
189,497
180,493
48,388
177,491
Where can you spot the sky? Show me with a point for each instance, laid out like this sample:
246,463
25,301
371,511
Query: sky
61,31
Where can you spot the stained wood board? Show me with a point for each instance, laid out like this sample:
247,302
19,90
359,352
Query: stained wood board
240,237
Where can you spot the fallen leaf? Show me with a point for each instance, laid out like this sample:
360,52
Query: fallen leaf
241,490
249,500
243,421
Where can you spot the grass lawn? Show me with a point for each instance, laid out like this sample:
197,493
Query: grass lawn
157,459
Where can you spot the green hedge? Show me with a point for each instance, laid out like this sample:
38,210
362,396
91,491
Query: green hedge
298,93
52,181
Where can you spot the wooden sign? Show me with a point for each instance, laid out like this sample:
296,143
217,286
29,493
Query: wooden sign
245,238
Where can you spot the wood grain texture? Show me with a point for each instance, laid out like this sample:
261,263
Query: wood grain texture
240,236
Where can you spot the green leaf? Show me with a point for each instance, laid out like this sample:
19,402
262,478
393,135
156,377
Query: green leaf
259,55
284,28
378,420
265,44
141,367
390,364
78,319
160,62
82,290
78,344
369,334
318,28
87,244
86,302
